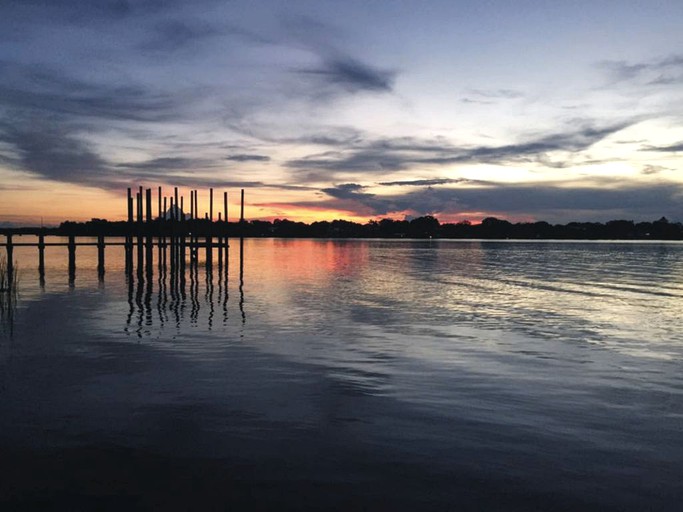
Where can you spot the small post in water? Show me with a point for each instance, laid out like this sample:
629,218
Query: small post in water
149,205
10,261
242,207
100,256
41,256
225,207
72,258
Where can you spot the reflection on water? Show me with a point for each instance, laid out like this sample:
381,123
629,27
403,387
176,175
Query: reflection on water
170,297
8,304
302,374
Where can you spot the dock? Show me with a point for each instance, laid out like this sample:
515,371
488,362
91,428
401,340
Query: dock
174,233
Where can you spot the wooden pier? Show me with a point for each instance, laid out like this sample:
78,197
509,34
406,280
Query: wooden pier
173,231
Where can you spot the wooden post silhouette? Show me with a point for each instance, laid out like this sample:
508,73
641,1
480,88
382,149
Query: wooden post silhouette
129,235
159,202
149,205
225,207
41,256
242,206
175,196
130,208
140,209
211,204
100,255
72,257
10,260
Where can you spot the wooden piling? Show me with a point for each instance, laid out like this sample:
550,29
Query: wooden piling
129,236
225,207
175,197
159,203
41,255
242,206
211,204
10,260
182,209
165,210
72,257
100,255
191,204
130,207
140,203
149,205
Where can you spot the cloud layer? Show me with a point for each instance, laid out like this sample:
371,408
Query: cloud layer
353,111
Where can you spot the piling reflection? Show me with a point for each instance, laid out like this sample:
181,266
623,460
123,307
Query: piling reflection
8,302
8,294
183,288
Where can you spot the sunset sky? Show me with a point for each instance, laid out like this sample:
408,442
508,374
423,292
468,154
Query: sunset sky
524,110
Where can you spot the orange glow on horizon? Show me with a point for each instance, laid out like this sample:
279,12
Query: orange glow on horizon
35,206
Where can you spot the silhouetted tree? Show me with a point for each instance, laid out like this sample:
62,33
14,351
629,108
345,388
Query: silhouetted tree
424,227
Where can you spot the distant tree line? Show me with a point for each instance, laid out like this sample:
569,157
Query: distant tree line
420,227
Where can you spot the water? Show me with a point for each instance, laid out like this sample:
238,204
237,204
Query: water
341,375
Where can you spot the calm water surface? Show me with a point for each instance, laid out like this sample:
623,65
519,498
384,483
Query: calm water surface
396,375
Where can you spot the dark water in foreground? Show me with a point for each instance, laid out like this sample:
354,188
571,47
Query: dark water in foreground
344,375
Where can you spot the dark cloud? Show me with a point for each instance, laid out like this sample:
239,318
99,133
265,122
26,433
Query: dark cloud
490,97
51,151
349,74
334,136
173,35
423,183
402,153
548,201
673,148
654,169
165,164
477,102
245,157
91,11
42,91
508,94
656,72
572,141
47,115
347,191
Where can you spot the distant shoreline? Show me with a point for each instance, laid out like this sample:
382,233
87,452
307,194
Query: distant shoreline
419,228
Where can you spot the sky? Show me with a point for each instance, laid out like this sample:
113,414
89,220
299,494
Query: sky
524,110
